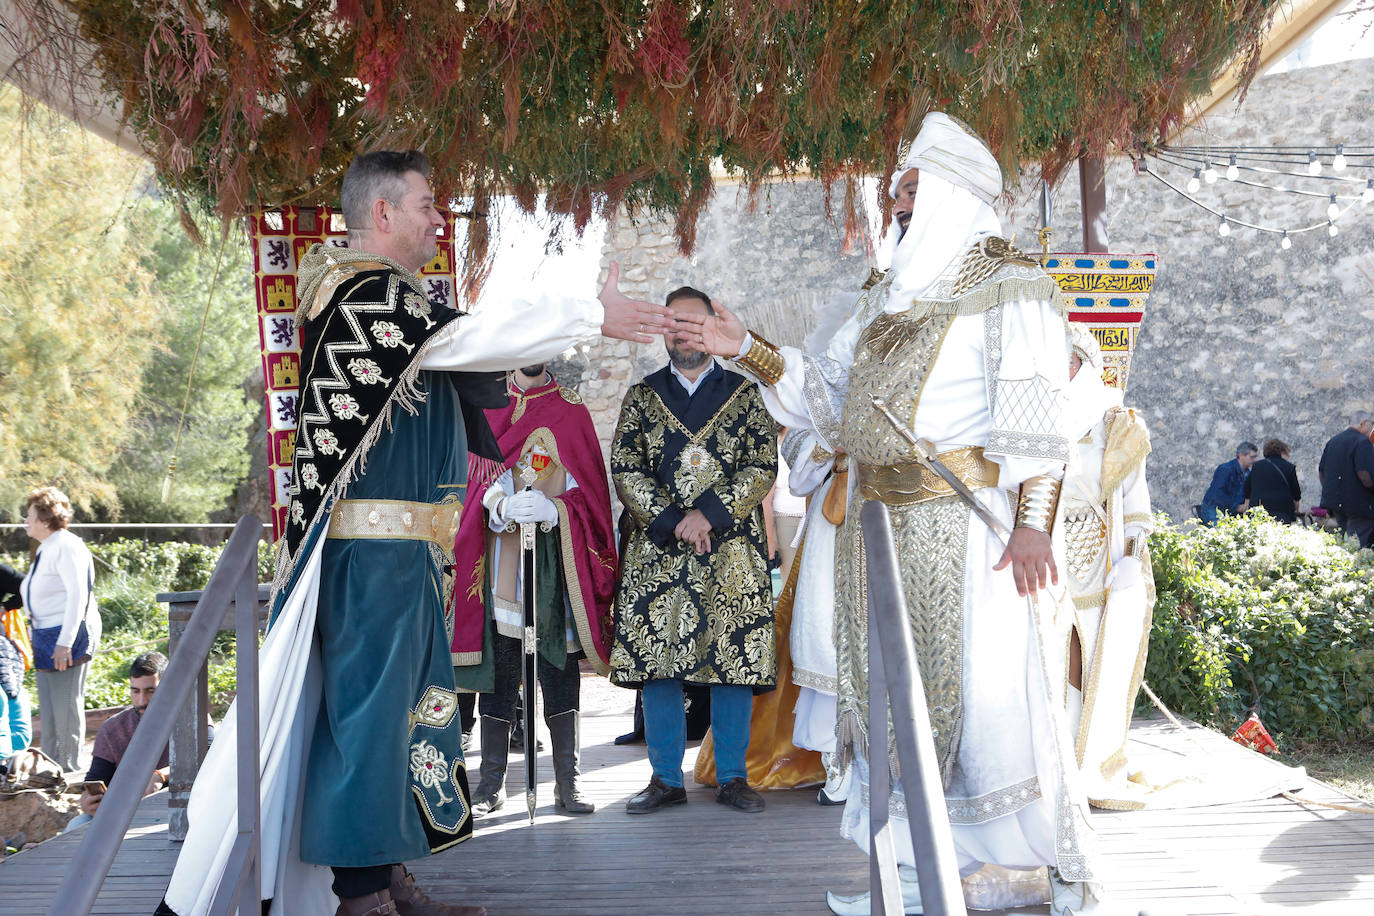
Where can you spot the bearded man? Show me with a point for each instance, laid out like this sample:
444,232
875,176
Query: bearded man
694,454
964,338
361,745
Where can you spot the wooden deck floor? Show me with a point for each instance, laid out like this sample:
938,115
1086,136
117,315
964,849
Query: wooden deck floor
1259,857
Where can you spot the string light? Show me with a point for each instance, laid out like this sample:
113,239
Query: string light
1204,168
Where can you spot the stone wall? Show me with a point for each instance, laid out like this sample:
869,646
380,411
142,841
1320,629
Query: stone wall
768,259
1241,340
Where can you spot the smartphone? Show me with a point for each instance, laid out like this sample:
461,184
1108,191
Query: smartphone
94,787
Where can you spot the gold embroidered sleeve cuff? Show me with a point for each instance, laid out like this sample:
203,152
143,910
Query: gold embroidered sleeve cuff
763,360
1039,499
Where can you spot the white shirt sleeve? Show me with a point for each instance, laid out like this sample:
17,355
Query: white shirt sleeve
76,581
511,334
1029,372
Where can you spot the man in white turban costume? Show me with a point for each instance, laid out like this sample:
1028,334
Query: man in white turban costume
1101,538
965,340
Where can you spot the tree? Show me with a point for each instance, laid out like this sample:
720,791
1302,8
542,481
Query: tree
214,454
75,306
599,102
101,299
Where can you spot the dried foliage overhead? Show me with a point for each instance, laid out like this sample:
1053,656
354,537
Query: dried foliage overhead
601,102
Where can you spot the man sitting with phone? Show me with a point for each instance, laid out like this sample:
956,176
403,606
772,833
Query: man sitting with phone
114,736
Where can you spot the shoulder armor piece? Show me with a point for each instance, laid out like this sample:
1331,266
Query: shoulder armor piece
572,397
985,259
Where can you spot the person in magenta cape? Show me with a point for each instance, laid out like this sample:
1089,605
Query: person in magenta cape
545,434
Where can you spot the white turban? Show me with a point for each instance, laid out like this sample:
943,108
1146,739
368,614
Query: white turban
946,147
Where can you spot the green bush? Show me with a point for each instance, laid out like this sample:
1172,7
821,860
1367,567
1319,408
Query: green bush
1257,614
129,575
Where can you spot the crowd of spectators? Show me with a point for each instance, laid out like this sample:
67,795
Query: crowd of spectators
1268,479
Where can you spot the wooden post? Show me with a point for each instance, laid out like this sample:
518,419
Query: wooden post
1092,186
190,734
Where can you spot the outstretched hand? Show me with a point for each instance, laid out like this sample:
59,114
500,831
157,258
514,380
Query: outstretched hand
721,334
1031,559
630,319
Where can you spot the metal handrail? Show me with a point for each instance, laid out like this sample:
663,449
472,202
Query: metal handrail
234,578
894,679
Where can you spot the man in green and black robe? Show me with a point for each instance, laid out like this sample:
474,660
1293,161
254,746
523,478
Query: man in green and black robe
694,455
361,755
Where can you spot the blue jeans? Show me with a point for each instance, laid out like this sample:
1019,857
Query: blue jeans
665,729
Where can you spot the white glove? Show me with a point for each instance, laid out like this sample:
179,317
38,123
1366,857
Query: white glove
530,506
1125,574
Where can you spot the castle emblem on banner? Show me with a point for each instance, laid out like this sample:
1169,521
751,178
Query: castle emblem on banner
279,237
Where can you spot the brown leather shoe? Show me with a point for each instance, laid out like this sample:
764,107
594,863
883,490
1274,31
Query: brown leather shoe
378,904
411,901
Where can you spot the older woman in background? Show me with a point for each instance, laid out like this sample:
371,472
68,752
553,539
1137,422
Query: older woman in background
66,623
1273,484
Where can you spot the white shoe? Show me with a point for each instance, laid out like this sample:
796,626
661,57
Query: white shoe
1078,898
858,904
836,788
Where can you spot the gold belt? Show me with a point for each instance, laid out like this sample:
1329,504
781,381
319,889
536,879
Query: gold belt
396,519
906,482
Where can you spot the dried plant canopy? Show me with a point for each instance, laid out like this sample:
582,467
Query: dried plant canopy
243,103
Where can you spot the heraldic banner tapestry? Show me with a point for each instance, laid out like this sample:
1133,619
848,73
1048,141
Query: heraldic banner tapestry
279,237
1107,292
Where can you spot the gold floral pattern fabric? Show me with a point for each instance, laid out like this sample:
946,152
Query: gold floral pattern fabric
705,619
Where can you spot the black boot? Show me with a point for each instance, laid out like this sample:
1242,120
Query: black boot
566,750
490,793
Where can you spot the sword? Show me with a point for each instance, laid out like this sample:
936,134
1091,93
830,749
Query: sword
924,452
527,529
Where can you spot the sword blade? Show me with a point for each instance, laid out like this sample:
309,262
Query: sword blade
530,646
926,458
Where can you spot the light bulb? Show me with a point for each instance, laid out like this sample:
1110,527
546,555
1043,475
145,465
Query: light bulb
1232,171
1209,174
1314,165
1285,242
1193,183
1333,209
1223,228
1367,195
1331,230
1339,162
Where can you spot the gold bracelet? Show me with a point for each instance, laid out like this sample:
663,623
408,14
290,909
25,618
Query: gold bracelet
1039,499
763,360
1135,546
